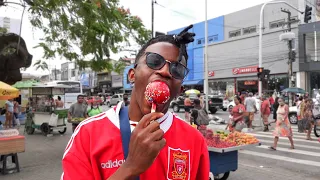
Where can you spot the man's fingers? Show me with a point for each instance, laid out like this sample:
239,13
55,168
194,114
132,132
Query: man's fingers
152,127
145,121
156,135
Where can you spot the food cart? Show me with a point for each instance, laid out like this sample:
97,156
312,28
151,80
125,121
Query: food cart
225,160
44,115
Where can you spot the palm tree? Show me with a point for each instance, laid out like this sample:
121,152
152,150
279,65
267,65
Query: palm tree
41,65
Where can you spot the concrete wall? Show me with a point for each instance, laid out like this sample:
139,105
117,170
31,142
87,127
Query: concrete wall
242,51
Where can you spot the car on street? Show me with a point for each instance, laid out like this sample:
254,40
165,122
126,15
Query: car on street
215,103
115,99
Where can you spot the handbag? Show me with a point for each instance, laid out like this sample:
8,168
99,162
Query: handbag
125,131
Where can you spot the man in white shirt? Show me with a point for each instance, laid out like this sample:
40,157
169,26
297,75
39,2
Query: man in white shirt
251,108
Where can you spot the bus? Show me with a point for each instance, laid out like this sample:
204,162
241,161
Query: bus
70,93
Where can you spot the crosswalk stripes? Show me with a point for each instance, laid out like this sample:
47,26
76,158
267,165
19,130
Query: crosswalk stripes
306,152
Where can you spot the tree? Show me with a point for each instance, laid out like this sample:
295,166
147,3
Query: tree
41,65
119,67
85,31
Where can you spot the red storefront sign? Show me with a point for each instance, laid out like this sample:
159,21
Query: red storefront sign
250,83
211,73
245,70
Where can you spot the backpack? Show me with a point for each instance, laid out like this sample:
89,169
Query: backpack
203,118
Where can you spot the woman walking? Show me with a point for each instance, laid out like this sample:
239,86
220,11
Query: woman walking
283,127
308,121
238,113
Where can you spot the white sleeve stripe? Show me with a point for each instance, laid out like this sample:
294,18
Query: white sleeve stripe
94,118
89,119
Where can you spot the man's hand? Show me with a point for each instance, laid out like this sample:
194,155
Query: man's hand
145,144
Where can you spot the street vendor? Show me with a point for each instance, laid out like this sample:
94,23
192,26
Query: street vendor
157,149
77,110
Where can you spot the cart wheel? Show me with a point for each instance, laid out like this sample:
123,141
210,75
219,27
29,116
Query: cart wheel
30,130
45,129
222,176
63,131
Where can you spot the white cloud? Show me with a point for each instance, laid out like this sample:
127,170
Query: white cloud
174,14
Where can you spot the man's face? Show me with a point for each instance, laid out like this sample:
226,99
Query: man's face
80,99
142,75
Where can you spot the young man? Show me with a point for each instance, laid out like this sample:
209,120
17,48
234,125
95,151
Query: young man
77,110
157,149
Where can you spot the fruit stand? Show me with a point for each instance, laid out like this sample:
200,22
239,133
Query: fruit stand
223,149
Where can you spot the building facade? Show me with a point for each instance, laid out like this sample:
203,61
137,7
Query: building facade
233,50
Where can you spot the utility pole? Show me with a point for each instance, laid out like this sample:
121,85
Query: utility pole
55,72
291,57
152,18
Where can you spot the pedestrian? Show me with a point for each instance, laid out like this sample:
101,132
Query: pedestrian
271,100
77,110
300,105
94,109
250,105
308,120
283,127
103,147
16,112
187,108
275,109
126,100
59,103
199,116
201,100
265,112
9,114
238,111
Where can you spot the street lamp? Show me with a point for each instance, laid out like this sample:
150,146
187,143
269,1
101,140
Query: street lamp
260,33
206,83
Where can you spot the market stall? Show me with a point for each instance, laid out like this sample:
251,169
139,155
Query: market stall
45,116
11,142
223,150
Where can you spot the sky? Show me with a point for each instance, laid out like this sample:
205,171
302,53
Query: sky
168,15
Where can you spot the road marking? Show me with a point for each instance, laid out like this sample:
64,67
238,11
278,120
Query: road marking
294,135
295,151
283,158
288,144
294,139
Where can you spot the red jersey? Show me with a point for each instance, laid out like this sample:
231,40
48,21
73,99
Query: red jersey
265,107
94,151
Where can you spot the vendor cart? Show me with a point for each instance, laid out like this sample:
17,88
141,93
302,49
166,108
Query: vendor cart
225,160
44,116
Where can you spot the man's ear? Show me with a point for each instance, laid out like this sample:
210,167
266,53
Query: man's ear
131,75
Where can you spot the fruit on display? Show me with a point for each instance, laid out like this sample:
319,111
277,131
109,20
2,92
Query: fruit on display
78,119
157,92
222,139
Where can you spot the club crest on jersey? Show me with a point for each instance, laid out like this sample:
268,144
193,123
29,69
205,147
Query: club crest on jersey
178,164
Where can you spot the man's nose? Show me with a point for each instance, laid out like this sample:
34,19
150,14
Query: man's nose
165,71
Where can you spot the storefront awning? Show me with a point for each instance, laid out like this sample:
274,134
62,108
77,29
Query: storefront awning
194,82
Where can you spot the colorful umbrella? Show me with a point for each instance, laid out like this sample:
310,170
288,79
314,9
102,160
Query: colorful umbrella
7,91
192,91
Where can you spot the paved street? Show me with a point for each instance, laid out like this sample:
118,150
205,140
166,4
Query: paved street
42,159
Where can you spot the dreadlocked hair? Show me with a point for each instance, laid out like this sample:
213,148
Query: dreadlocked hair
180,41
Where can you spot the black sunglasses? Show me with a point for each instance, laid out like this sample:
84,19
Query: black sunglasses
156,61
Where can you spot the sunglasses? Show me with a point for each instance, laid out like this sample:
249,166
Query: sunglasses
156,62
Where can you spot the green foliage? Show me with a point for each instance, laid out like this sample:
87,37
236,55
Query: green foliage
41,65
78,29
119,67
3,30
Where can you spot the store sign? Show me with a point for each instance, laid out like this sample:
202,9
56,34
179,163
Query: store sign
250,83
245,70
211,73
41,91
116,81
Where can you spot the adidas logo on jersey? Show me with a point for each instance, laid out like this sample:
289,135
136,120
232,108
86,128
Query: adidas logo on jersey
112,164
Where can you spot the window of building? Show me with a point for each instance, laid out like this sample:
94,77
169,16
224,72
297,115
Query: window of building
213,38
277,24
200,41
249,30
235,33
73,73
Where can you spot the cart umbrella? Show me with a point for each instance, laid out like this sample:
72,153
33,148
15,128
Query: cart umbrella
7,91
294,90
192,91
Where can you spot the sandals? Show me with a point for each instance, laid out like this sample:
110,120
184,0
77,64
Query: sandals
272,148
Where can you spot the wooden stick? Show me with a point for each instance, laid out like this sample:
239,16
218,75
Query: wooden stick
153,108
